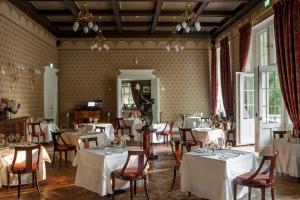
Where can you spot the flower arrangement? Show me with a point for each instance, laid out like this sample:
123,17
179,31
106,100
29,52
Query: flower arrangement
11,106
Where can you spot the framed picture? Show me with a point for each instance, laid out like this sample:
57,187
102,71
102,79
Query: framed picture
146,89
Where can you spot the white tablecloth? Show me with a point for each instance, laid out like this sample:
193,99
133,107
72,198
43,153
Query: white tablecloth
94,168
6,158
288,160
46,128
211,178
72,138
189,121
109,129
207,135
135,124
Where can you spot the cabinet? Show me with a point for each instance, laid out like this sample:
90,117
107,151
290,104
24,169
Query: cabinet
81,116
14,126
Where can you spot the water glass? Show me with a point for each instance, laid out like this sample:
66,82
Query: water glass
229,145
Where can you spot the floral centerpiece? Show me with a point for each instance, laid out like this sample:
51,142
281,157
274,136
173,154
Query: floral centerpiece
9,106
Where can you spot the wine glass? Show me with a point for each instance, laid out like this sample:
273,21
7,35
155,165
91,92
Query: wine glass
11,138
229,145
17,137
220,142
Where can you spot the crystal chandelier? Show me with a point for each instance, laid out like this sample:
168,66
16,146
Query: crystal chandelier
85,19
175,43
189,17
99,42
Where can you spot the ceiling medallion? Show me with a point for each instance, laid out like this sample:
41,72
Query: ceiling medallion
189,18
85,19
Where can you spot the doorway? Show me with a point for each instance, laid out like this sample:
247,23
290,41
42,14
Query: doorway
50,93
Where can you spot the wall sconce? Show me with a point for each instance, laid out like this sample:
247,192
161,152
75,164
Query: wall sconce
2,70
136,60
15,75
36,75
163,89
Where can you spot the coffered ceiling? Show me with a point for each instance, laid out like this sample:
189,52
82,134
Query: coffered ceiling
132,18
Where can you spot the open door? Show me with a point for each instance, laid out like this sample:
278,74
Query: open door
269,107
50,93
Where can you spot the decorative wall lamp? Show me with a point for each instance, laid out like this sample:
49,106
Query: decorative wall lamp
15,75
36,75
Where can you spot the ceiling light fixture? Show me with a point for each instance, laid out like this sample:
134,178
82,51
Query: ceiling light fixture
99,41
189,17
85,19
175,43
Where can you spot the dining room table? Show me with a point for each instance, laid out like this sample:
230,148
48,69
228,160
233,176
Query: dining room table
208,174
94,166
207,135
6,159
288,156
73,137
109,129
47,128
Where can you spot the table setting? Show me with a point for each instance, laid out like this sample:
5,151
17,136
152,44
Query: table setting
109,129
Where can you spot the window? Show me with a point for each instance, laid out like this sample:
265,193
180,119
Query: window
220,106
127,98
266,47
248,92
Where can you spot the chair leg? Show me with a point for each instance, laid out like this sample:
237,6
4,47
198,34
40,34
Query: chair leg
131,187
272,194
134,184
145,186
32,179
37,183
8,180
234,190
174,178
249,193
66,156
167,136
263,193
53,159
19,184
113,187
60,159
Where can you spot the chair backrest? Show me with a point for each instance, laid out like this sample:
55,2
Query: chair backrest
184,132
120,122
29,160
231,135
169,127
56,137
177,150
100,128
32,128
86,142
270,169
279,133
141,162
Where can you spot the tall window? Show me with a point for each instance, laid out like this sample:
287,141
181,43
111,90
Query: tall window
266,44
220,106
127,98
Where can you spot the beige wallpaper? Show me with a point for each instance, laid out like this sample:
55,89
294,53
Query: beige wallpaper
24,43
85,75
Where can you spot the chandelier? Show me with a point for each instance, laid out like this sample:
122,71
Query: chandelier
189,17
85,19
175,43
99,42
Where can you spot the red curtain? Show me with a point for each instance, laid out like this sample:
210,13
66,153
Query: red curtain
287,37
245,36
214,82
226,78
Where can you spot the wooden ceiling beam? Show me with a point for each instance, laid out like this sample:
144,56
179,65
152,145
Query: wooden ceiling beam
118,19
158,8
71,5
158,0
31,11
236,17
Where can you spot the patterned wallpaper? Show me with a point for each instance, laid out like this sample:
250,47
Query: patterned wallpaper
24,43
85,75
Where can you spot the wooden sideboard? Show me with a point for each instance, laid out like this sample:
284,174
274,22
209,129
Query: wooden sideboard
84,115
13,126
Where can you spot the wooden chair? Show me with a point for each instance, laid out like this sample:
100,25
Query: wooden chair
86,142
183,116
49,120
100,128
120,125
131,174
166,132
61,146
258,179
189,142
177,150
30,165
34,133
231,137
280,133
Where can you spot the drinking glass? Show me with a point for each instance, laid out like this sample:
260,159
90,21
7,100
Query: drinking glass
229,145
17,137
11,138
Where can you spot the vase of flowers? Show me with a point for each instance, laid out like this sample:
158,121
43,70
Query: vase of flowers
9,107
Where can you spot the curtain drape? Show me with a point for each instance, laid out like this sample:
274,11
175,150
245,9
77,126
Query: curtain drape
226,78
287,38
135,93
245,37
214,82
